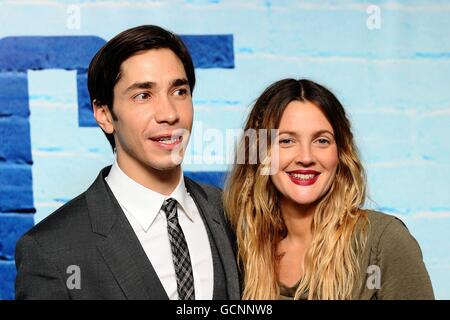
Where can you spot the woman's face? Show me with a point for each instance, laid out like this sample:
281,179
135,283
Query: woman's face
308,155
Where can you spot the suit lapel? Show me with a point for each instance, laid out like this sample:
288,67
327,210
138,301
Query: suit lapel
121,250
128,262
212,215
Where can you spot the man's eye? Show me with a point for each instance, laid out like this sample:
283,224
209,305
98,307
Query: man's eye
181,92
141,96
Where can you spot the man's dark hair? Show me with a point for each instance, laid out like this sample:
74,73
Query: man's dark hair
104,69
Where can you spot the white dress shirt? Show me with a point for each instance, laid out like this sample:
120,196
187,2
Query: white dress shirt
142,208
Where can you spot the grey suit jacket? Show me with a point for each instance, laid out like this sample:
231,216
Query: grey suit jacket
88,250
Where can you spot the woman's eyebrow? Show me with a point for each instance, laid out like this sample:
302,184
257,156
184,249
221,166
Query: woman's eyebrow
317,133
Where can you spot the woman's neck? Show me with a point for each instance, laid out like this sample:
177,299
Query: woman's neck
298,220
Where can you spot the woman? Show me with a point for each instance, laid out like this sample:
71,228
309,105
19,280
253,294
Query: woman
301,231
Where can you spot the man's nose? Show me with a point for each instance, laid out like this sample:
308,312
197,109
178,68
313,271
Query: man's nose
166,111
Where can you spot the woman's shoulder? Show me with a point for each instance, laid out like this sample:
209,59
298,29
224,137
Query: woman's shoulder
388,231
379,221
397,254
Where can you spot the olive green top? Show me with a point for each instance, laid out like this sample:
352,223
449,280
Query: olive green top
391,266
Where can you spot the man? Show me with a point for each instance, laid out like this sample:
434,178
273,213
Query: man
142,230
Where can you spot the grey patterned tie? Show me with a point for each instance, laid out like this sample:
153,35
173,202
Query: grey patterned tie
180,252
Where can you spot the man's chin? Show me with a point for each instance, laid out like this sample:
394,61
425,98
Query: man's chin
165,161
165,166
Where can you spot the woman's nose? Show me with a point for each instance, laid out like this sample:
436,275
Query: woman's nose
305,156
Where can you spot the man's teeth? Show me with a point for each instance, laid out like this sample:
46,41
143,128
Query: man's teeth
168,140
302,176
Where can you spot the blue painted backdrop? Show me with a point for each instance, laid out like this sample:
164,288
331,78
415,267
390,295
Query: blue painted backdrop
389,63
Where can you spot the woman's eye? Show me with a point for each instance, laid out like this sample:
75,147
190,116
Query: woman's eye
323,141
285,141
141,96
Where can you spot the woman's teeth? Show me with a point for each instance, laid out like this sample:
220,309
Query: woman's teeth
302,176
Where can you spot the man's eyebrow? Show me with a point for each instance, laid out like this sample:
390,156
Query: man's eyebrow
140,85
179,82
149,84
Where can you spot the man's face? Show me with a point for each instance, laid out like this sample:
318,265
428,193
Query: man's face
153,106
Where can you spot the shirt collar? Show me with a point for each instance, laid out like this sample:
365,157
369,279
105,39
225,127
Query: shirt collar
143,203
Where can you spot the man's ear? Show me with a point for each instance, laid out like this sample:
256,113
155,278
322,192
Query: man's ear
103,117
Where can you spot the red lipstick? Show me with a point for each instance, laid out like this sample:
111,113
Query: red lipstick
303,177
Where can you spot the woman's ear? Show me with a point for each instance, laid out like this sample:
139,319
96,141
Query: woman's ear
103,116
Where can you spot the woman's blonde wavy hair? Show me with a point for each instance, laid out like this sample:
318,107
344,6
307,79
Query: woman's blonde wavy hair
339,234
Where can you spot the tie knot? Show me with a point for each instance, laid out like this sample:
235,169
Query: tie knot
170,208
